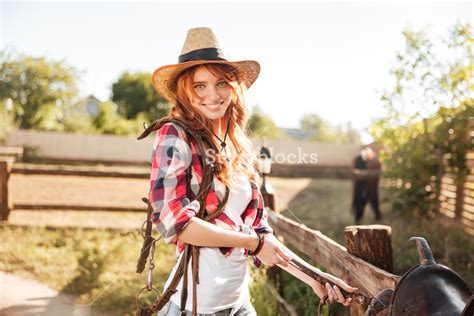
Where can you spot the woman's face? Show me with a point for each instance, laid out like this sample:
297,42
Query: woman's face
214,93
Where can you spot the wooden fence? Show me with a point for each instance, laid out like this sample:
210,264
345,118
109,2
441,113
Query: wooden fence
8,167
456,194
366,262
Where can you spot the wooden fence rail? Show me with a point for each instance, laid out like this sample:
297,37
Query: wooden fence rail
337,259
86,171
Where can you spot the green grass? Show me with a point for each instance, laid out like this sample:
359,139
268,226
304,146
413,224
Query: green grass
97,266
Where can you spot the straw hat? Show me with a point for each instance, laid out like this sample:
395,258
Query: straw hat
201,47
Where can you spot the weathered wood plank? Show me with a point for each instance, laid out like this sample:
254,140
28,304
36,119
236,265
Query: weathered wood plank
448,187
468,215
13,152
468,200
449,206
469,185
333,257
467,192
448,179
311,171
448,194
88,171
467,222
64,207
468,208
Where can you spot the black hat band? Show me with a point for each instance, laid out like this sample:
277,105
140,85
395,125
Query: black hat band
203,54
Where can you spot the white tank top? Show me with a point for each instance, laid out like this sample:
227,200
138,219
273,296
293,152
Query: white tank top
223,281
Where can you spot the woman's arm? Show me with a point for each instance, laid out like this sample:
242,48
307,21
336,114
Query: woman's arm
201,233
333,293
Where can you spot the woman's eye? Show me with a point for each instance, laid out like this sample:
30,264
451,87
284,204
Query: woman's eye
199,86
222,84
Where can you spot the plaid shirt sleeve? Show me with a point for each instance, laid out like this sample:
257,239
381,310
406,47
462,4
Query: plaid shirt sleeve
172,209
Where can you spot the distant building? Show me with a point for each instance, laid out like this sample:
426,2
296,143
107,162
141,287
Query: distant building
87,106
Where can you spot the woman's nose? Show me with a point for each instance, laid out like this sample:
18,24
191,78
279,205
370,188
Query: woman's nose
213,94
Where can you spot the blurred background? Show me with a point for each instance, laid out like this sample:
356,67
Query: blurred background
337,78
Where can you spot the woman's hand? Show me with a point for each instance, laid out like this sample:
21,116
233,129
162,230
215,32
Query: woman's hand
272,253
333,293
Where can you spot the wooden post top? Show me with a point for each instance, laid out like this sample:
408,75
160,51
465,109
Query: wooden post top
8,162
354,228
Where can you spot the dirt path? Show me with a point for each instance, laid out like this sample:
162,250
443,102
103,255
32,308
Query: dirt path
20,296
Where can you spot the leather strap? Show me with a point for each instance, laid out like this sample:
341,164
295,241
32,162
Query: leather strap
145,251
184,291
322,303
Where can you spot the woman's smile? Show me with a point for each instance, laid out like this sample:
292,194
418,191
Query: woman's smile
215,106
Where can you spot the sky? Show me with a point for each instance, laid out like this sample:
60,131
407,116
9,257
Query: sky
329,58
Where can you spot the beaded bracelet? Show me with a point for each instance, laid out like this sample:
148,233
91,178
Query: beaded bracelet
261,242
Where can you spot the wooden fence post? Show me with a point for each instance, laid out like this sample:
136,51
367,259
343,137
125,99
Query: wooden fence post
372,243
5,169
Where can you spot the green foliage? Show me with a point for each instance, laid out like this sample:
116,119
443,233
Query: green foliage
78,122
427,114
43,93
39,88
134,94
108,121
263,301
325,132
260,125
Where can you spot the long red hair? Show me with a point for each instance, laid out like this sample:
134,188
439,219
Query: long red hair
240,146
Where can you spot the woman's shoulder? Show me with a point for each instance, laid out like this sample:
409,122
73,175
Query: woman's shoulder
171,138
171,129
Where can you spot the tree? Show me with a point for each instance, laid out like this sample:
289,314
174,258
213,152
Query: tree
39,89
323,131
108,121
78,122
427,113
260,125
134,94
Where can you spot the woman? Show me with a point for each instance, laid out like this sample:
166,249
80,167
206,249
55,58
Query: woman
207,94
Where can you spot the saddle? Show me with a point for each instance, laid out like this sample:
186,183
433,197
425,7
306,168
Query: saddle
424,290
191,253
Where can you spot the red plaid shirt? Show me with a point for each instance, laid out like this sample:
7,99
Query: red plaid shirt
172,208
